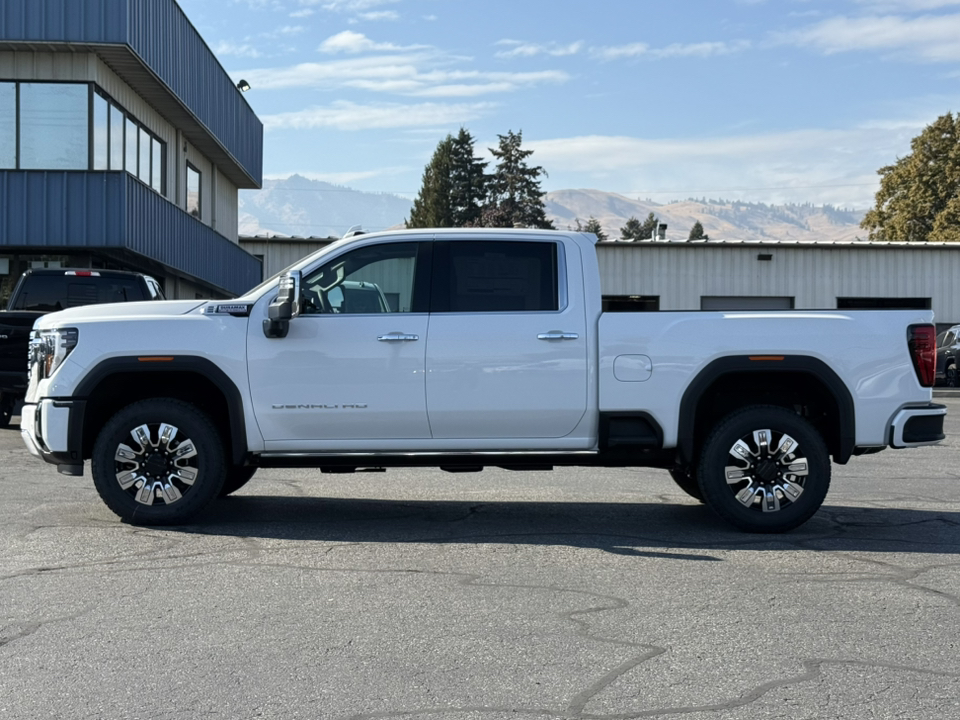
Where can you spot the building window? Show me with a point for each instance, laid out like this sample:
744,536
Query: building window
631,303
116,138
8,125
101,133
54,126
747,302
193,191
883,303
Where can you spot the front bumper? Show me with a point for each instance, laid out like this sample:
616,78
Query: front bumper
918,426
52,431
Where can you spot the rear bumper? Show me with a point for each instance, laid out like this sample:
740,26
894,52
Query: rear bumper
918,426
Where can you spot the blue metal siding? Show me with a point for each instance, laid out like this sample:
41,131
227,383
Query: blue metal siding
52,210
162,36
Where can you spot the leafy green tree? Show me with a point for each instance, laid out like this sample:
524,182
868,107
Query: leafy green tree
468,181
514,197
697,233
919,195
592,226
433,207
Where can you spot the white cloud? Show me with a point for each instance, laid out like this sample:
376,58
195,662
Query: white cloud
824,166
353,42
225,47
521,49
907,5
348,6
701,50
343,115
400,74
379,15
305,12
928,38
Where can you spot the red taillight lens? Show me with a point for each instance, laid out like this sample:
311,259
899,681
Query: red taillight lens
922,341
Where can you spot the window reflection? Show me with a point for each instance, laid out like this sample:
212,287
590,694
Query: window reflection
8,125
130,163
193,191
156,178
116,138
53,126
101,139
144,173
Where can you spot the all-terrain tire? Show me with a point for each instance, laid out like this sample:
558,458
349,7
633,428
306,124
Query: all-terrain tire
764,469
158,462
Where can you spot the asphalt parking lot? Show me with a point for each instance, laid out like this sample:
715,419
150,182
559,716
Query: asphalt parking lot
419,594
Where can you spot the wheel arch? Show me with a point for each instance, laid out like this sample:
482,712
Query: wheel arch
116,382
788,381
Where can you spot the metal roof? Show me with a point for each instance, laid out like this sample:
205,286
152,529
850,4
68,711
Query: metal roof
155,49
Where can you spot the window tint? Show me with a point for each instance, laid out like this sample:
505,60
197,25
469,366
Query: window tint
54,126
369,280
495,276
949,340
101,139
48,293
8,125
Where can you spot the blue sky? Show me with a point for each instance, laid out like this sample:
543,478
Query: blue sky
762,100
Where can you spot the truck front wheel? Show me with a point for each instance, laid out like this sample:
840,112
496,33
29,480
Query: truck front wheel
158,462
764,469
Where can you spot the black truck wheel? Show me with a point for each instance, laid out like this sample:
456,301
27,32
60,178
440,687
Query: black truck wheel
764,469
7,404
237,477
158,462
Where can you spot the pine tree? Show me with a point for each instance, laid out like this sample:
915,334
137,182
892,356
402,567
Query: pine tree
631,231
649,227
433,207
514,196
697,233
592,226
919,195
468,181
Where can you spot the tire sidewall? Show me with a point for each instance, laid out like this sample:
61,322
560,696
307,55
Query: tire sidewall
190,423
716,457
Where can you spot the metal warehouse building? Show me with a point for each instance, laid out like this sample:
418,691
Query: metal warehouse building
123,143
726,275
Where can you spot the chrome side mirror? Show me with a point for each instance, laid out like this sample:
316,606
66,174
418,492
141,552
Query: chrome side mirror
285,307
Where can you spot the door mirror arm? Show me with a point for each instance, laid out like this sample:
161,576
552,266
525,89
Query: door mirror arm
285,307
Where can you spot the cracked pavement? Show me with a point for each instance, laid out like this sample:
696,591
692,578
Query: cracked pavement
416,594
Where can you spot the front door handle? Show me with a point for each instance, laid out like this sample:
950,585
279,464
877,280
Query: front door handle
398,337
557,335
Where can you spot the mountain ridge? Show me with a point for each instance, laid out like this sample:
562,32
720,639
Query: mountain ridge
300,207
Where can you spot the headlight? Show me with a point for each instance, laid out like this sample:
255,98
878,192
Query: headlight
49,348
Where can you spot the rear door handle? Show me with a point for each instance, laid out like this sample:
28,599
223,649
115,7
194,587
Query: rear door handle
557,335
398,337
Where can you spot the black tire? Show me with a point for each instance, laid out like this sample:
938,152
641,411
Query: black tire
6,411
237,477
686,479
148,482
765,477
951,377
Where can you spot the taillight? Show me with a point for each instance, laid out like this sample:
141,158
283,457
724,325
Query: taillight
922,341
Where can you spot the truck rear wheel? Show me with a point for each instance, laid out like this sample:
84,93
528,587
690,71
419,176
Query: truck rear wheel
764,469
158,462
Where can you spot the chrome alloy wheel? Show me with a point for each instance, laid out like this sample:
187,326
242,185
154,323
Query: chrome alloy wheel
158,465
770,473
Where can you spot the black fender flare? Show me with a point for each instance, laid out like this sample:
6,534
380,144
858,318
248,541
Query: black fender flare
767,364
166,363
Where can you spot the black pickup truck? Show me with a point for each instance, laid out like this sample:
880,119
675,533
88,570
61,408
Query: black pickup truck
42,291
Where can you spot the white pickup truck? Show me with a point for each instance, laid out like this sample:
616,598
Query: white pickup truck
463,349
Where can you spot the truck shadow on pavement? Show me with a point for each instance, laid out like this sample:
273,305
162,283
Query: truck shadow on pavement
641,529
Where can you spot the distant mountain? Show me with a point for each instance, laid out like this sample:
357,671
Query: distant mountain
298,206
721,219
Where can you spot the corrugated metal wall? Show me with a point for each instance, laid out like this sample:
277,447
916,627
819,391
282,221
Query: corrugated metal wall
57,209
815,275
160,33
279,254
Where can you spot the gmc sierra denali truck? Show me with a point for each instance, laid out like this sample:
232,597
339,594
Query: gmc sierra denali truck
464,349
